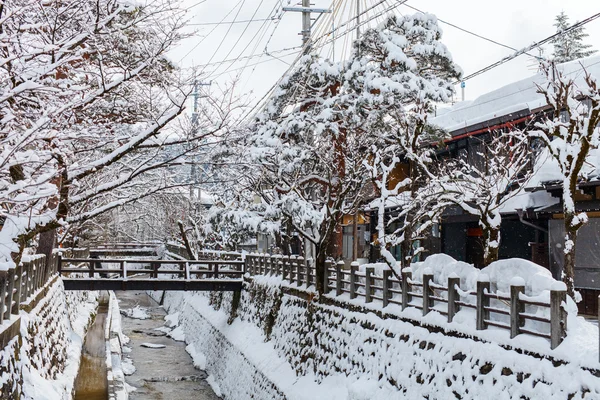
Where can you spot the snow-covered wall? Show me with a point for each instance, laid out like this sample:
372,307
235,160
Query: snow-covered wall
236,376
337,351
42,361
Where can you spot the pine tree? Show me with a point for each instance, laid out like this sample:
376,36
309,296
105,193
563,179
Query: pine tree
569,46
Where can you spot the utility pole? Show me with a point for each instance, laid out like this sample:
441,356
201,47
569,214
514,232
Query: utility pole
193,173
306,11
357,19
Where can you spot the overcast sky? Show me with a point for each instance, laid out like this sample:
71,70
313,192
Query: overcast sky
516,23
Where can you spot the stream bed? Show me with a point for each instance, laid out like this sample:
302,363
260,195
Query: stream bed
163,369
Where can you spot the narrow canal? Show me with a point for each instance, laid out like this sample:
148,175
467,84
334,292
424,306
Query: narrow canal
163,369
91,383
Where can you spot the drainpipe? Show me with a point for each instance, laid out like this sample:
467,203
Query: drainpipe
534,226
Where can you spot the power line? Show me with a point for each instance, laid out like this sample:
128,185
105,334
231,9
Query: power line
467,31
528,48
211,31
232,22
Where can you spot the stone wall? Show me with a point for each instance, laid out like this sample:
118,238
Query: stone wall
39,350
402,357
237,377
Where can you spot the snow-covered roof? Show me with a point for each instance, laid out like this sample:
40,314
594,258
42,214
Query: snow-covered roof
509,100
547,170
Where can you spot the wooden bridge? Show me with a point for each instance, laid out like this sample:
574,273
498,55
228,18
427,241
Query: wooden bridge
138,274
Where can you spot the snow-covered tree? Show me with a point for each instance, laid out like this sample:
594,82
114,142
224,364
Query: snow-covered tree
86,93
484,182
407,69
569,46
569,132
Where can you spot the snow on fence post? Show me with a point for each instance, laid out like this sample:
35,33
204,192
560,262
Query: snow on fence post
558,315
10,277
26,281
284,267
307,263
339,266
19,287
517,286
249,264
278,264
406,297
483,302
353,269
427,300
453,308
387,284
292,268
3,284
369,283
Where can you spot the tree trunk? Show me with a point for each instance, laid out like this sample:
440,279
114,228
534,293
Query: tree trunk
320,266
186,242
570,243
46,244
491,237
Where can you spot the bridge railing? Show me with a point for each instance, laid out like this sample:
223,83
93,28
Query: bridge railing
124,246
178,269
513,311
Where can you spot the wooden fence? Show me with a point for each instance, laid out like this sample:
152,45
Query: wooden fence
510,311
18,284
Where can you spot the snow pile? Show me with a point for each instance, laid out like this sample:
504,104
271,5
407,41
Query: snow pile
442,266
136,312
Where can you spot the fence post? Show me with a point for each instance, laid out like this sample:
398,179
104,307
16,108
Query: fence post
453,282
326,276
558,316
516,307
92,265
19,287
369,284
387,284
292,269
406,296
299,264
10,278
59,263
3,282
307,264
353,269
483,302
339,266
427,300
285,262
216,271
124,269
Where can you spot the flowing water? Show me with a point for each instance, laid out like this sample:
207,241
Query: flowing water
91,382
161,373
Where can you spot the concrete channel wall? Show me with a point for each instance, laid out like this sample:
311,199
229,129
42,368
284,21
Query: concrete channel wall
39,346
336,340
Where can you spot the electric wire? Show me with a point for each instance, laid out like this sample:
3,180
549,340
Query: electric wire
528,48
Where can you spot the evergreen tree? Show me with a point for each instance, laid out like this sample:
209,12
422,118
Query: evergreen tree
569,46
